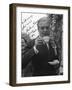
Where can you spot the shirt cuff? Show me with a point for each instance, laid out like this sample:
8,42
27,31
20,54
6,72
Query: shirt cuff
35,50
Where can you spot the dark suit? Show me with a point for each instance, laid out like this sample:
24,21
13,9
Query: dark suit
40,60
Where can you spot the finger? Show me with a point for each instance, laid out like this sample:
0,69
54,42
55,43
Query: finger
56,61
53,63
39,41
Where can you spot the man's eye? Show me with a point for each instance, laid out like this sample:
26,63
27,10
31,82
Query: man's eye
46,27
42,28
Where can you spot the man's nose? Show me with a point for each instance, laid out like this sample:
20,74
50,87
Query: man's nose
45,30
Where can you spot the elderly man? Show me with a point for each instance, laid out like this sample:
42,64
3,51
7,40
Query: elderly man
44,53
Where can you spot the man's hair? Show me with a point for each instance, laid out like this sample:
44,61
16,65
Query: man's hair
43,19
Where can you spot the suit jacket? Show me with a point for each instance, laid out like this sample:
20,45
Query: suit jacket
40,60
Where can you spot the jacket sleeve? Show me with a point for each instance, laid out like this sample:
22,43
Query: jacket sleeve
27,56
56,53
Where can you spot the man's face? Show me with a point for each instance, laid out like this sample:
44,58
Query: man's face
43,28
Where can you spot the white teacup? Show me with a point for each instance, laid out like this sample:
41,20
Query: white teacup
46,39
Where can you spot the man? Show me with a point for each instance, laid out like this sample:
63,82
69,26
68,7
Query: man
44,53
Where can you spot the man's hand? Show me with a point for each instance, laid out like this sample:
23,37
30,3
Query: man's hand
54,62
39,41
35,50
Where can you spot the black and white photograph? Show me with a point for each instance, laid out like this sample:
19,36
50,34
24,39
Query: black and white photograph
41,44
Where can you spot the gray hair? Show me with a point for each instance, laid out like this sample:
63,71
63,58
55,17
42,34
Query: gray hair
43,19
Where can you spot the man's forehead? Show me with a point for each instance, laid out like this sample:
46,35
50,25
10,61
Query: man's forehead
45,21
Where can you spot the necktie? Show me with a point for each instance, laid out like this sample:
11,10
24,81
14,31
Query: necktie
47,45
